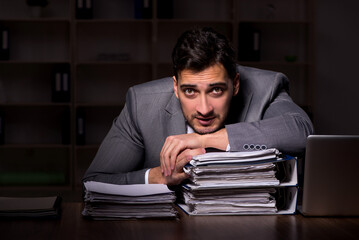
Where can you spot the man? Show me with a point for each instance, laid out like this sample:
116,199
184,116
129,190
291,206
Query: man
209,103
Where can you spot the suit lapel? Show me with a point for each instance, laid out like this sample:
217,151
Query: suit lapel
172,118
245,101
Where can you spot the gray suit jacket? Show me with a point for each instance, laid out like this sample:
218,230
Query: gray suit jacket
261,115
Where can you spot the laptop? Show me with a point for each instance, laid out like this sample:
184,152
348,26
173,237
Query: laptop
331,176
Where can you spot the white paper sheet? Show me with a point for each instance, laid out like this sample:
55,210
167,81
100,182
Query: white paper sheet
127,190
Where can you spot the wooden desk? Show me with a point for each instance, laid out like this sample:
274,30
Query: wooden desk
73,226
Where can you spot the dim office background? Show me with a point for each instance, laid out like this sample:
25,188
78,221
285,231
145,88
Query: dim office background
65,69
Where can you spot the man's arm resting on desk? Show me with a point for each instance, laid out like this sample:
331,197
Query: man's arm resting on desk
175,145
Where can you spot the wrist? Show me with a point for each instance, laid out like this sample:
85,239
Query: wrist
155,176
218,139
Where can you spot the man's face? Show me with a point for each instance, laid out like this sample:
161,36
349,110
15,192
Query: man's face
205,97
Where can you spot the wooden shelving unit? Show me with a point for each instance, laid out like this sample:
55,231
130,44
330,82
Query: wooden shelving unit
107,54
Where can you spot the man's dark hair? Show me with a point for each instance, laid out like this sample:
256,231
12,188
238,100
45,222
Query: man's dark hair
201,48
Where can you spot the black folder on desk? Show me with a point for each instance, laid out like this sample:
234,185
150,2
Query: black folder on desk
30,207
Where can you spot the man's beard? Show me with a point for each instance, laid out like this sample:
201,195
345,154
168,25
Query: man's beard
206,130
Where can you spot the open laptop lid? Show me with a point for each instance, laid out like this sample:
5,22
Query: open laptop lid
331,176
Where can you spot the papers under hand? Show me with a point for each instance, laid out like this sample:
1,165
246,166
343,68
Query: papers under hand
229,183
106,201
234,157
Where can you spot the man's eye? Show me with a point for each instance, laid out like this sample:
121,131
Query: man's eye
189,91
217,90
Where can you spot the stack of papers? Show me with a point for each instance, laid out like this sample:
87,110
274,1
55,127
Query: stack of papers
233,169
229,183
108,201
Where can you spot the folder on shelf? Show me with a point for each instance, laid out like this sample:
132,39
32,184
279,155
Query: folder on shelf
2,128
249,45
80,127
4,44
143,9
111,201
84,9
61,84
30,207
227,183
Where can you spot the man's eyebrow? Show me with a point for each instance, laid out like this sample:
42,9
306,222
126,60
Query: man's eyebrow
218,84
188,85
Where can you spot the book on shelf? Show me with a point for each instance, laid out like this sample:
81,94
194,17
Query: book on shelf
237,183
4,44
143,9
165,9
2,128
84,9
112,201
30,207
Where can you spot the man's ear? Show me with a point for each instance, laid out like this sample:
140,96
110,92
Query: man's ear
236,84
175,84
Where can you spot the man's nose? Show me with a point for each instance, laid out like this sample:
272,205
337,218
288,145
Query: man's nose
204,107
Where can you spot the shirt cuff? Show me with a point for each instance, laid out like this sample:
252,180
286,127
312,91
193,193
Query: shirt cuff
228,148
146,176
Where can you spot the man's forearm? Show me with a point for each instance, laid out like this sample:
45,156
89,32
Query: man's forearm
218,140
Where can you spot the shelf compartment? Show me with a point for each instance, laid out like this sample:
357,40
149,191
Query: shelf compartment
96,122
275,10
31,85
119,41
214,10
36,125
277,41
108,84
34,166
38,41
18,9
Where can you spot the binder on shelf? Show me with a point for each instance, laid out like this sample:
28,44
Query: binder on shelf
4,44
61,84
249,44
143,9
80,127
2,128
253,185
165,9
84,9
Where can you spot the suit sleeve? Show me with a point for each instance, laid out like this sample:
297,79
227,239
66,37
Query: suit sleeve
284,126
120,157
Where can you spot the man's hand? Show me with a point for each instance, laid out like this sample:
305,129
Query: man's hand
175,145
172,148
156,175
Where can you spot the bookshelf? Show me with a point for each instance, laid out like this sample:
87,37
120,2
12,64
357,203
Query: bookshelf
106,52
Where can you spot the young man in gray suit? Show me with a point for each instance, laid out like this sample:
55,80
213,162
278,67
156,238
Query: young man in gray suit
211,102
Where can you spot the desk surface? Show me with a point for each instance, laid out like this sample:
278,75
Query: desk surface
73,226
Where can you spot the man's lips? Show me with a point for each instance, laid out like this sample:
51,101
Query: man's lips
205,121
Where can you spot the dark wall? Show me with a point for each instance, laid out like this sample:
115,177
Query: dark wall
336,97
